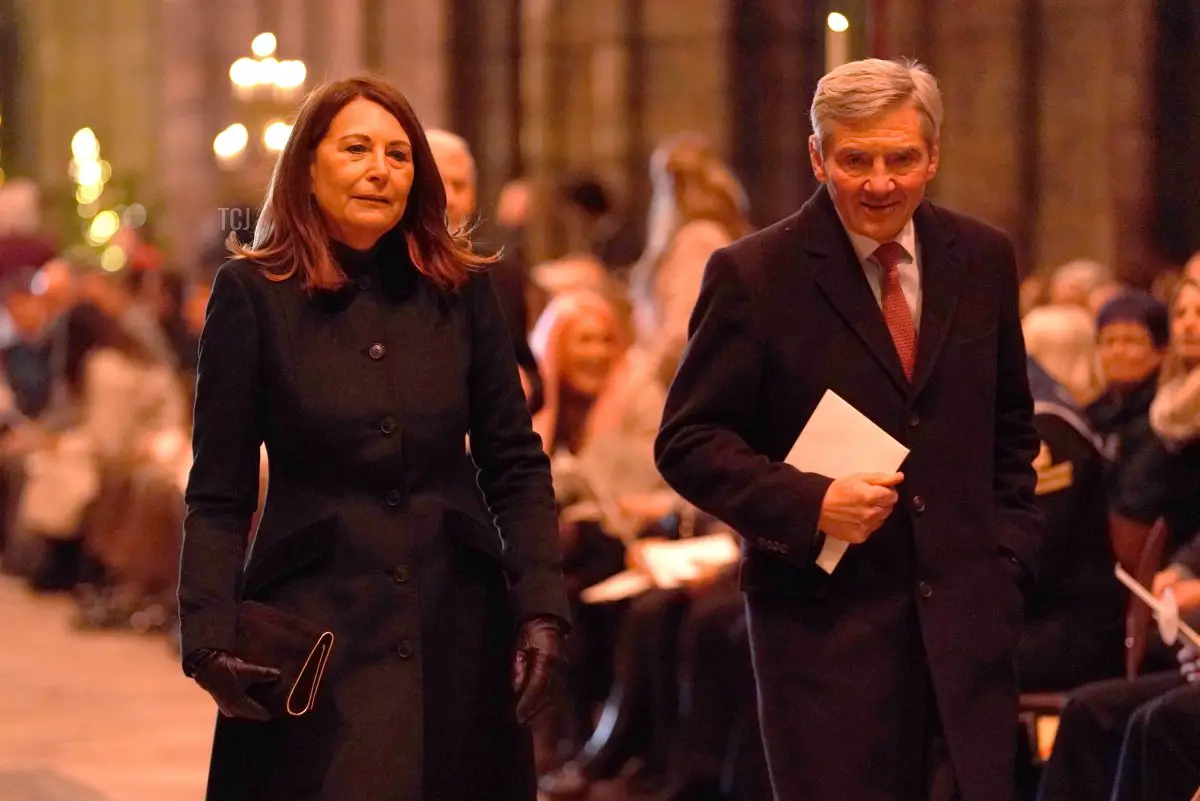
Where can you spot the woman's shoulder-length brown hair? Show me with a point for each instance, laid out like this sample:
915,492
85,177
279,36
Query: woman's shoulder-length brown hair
1173,365
291,238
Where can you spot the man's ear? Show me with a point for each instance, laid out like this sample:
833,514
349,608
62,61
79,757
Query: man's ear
814,155
934,159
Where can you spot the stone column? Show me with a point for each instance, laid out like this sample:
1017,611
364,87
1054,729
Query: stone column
779,57
1131,139
186,175
342,39
414,56
1077,205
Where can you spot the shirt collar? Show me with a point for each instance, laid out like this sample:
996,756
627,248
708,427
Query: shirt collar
865,247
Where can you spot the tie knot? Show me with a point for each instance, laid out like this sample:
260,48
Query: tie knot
889,254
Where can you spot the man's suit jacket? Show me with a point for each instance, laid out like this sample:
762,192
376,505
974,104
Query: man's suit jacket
843,660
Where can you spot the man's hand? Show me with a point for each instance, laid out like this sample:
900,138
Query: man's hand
856,506
1187,594
1167,577
1189,663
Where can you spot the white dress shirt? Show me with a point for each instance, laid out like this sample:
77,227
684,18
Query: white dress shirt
909,267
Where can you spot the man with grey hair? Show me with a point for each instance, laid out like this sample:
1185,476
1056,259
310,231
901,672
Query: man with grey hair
887,675
454,161
1073,283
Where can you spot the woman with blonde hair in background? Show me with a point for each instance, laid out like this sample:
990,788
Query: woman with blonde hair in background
577,341
698,206
1175,412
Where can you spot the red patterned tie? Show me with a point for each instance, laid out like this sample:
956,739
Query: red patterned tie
896,313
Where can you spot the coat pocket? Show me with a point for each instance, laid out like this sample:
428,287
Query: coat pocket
298,551
466,531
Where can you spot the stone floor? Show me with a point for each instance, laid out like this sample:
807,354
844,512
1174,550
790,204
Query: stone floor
101,717
94,717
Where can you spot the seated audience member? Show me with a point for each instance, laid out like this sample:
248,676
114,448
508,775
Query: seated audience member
1096,721
639,723
1131,342
610,235
1032,292
1063,341
22,244
599,418
698,206
1181,439
1160,756
25,350
1175,411
578,343
1103,728
123,297
1074,616
121,394
716,750
1073,283
1191,270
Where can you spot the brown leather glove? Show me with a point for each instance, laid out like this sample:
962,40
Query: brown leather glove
540,666
226,678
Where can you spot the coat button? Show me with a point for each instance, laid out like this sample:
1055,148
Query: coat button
387,425
377,350
914,419
364,282
400,574
925,589
918,504
405,649
393,498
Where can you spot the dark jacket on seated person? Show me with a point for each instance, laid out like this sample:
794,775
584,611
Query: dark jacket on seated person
1074,620
1138,464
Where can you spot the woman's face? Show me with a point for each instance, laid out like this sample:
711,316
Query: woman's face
589,349
1127,352
362,173
1185,325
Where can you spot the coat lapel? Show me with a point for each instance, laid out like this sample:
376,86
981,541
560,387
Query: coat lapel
840,277
941,275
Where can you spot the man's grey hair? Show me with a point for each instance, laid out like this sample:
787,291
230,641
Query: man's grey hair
1083,274
448,140
863,90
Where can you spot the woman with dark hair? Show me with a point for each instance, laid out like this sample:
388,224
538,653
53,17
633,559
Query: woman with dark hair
362,343
119,397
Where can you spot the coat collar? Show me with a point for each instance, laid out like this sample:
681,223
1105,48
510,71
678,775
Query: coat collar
840,278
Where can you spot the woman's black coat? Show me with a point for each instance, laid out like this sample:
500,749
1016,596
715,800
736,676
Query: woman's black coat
365,398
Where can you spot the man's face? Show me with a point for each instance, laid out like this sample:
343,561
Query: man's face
458,177
876,171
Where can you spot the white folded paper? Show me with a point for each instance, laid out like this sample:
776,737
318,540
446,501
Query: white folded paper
668,564
626,584
838,441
